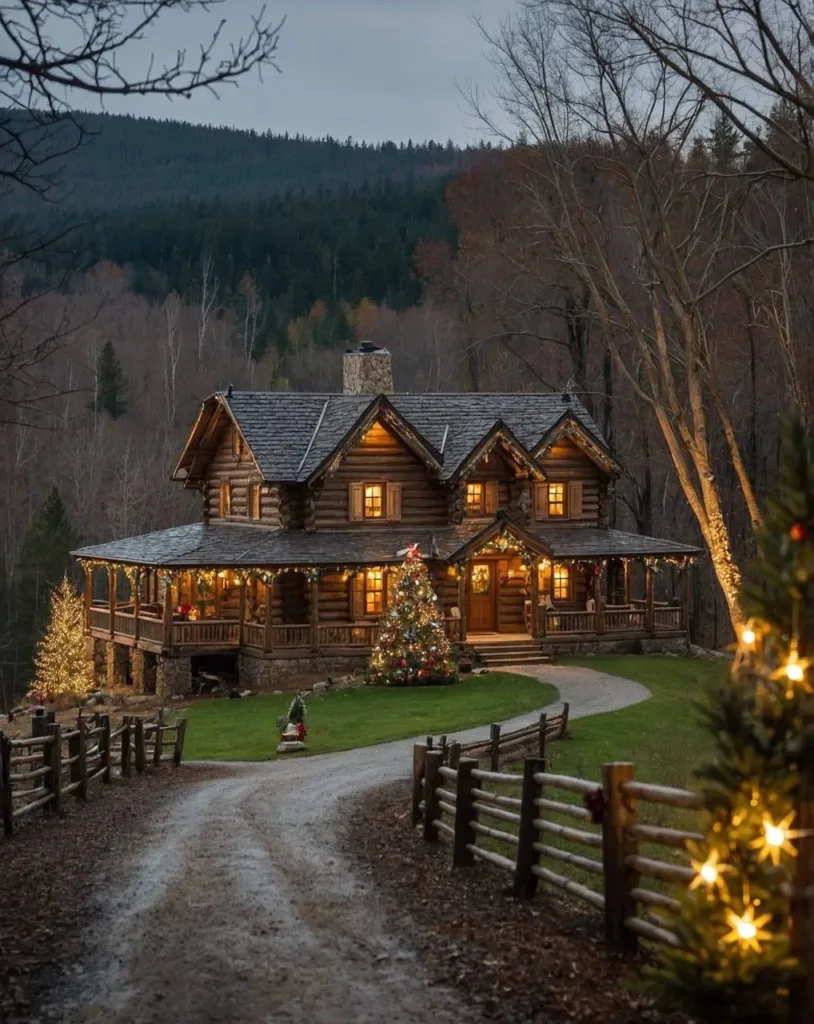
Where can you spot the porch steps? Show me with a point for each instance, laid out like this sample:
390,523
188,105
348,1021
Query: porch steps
509,652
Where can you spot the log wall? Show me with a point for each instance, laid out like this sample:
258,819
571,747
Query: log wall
239,470
566,462
379,457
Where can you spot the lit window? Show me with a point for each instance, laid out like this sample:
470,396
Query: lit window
556,499
474,498
374,592
225,498
374,501
481,579
561,583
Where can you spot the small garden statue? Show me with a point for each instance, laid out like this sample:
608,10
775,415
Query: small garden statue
292,727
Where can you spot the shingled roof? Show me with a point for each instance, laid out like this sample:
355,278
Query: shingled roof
221,544
291,433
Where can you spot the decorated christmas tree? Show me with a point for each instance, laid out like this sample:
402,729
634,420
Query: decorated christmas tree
738,958
63,664
412,649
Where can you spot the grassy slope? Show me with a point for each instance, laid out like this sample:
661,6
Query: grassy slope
662,735
246,730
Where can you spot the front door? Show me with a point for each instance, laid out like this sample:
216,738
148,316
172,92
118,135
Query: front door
482,617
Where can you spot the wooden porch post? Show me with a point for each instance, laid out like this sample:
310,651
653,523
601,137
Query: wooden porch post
168,615
534,594
685,595
462,596
241,612
599,606
88,595
111,596
649,584
626,578
267,633
136,585
313,608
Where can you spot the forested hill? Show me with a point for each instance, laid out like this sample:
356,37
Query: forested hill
128,160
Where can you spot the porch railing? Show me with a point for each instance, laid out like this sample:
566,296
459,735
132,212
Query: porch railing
151,628
351,634
254,635
209,632
100,619
614,620
290,636
124,623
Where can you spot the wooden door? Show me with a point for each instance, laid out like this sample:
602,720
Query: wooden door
482,612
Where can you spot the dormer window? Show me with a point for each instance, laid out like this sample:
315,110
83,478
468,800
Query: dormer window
374,502
474,498
480,498
556,500
225,498
373,507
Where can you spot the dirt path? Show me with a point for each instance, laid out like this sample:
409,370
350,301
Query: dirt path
238,906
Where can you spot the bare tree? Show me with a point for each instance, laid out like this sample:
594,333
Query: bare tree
207,305
613,192
173,343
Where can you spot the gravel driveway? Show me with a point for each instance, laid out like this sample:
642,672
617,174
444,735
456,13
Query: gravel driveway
237,906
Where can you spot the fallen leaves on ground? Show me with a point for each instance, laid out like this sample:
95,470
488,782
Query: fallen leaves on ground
520,962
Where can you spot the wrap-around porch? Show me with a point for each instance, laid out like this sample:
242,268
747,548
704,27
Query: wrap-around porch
318,610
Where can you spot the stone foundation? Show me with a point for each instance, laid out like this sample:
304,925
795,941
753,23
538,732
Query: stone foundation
639,645
116,664
286,673
137,660
173,676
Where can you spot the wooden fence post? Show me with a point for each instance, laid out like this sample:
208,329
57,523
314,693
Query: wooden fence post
541,736
566,709
126,747
178,749
5,784
464,814
525,881
419,753
159,741
104,746
141,755
443,744
433,760
619,815
54,777
454,755
494,747
82,763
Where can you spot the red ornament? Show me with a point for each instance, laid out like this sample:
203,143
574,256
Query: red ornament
404,663
431,661
798,532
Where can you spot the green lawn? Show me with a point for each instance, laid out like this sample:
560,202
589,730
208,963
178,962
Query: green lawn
246,730
662,736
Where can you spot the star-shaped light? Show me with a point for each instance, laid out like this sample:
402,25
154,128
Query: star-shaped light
708,872
776,840
747,929
795,668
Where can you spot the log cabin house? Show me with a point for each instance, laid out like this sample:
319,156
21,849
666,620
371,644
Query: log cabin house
307,501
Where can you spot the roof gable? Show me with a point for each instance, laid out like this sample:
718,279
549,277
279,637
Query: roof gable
204,439
499,437
293,436
591,444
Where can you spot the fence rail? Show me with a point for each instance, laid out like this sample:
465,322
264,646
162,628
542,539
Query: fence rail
508,820
506,746
38,771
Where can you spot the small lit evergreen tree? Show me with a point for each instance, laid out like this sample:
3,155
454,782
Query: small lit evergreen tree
110,384
63,664
735,961
412,648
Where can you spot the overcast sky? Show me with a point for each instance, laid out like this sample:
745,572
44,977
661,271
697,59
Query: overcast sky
371,69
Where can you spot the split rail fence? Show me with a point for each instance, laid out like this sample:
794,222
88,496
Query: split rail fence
506,746
517,823
39,771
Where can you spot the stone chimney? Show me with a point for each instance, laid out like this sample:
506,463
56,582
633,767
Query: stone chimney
367,370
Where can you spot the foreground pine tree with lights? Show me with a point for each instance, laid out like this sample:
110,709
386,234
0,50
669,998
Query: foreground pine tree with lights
736,960
412,649
62,664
